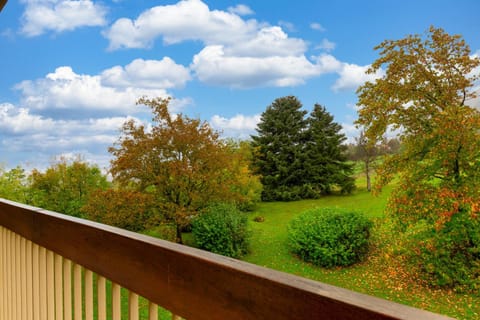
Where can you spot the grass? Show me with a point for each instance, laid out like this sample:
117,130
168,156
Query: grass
377,276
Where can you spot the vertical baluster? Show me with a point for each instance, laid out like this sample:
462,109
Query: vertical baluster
116,302
23,277
50,285
18,283
88,294
29,262
132,306
77,292
152,311
43,282
11,266
58,287
101,298
67,290
36,280
8,275
3,271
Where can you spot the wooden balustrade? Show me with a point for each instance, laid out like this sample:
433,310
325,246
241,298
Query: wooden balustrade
51,263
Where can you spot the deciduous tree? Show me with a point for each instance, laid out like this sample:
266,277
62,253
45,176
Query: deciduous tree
425,94
180,160
66,185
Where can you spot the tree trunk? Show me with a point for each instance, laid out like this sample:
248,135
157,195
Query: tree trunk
367,173
179,235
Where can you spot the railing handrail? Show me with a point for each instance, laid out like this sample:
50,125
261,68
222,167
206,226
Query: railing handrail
193,283
2,4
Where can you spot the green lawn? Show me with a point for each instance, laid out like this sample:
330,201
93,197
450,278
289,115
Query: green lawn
373,276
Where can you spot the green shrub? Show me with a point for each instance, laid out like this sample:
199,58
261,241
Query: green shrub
222,229
437,235
445,257
329,237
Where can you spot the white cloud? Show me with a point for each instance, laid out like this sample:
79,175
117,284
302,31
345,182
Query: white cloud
153,74
350,131
115,90
186,20
268,42
241,10
41,16
213,66
352,76
24,132
239,126
317,26
326,45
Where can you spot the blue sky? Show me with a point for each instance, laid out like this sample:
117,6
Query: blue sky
72,70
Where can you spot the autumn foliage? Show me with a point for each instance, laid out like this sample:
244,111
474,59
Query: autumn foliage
425,96
180,161
125,209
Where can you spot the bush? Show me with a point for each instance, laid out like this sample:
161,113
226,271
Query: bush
329,237
222,229
437,235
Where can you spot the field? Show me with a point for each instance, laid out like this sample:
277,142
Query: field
378,275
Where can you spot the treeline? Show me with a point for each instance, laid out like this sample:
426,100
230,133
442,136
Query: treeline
169,173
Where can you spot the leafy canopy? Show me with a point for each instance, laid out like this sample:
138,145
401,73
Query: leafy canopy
425,95
181,161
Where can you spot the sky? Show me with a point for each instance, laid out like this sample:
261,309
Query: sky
71,71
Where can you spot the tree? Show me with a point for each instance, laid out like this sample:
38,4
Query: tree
278,149
425,95
66,185
299,158
246,185
325,160
127,209
181,161
14,185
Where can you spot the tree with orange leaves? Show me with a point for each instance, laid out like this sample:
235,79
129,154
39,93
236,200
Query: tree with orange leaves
426,95
181,161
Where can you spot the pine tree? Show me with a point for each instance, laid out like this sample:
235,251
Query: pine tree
325,155
278,149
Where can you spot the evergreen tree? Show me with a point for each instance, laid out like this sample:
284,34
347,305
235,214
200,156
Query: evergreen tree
325,161
278,149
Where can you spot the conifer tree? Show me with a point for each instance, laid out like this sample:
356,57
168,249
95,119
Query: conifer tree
278,149
325,160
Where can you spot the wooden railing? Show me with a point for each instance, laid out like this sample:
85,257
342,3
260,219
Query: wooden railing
54,266
2,4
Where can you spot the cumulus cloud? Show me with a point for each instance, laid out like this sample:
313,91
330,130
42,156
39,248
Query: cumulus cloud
352,76
237,53
25,133
113,90
41,16
163,73
241,10
268,42
213,66
239,126
186,20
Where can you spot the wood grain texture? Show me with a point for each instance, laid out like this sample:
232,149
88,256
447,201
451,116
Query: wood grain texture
192,283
